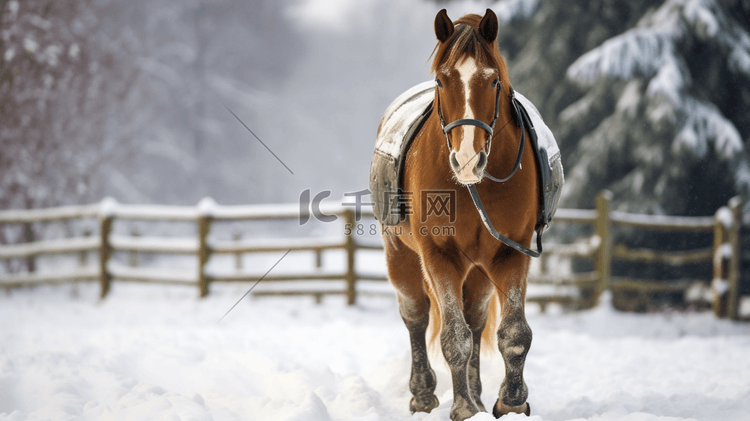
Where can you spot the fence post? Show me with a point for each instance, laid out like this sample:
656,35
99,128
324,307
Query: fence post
29,237
733,294
604,254
205,210
105,252
720,262
351,248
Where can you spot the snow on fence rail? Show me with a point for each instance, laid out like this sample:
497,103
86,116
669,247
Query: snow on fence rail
725,252
204,215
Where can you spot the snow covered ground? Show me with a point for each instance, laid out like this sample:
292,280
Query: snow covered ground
157,353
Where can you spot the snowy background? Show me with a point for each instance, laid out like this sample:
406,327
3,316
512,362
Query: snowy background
648,98
130,99
158,353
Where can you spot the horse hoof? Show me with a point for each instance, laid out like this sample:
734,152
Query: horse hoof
463,409
424,404
501,409
461,414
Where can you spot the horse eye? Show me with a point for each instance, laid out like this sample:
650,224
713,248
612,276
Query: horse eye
439,83
495,82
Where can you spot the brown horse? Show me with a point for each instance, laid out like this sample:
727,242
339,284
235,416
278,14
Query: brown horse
449,268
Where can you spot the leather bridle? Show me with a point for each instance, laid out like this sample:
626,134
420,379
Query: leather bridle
490,128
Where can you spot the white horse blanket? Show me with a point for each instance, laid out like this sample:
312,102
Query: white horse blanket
402,121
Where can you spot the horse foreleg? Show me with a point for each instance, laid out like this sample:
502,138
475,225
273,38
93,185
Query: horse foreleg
416,316
477,294
456,339
456,342
404,271
514,340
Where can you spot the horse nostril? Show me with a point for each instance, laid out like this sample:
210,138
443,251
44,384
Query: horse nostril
482,161
454,161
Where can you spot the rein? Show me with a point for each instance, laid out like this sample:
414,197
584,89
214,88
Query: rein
472,188
505,240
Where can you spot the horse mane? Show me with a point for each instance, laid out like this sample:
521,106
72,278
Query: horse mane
467,40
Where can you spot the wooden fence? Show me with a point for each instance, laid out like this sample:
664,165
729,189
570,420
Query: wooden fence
203,216
725,253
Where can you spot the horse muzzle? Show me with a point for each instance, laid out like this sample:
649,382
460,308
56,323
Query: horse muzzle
469,169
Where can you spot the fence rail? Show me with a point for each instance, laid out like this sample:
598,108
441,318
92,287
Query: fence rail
725,253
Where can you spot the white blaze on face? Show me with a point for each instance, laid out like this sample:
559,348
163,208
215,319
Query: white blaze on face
466,155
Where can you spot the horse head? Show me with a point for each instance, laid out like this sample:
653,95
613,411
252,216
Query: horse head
469,77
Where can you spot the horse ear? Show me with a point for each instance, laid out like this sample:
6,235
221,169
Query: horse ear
488,26
443,26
